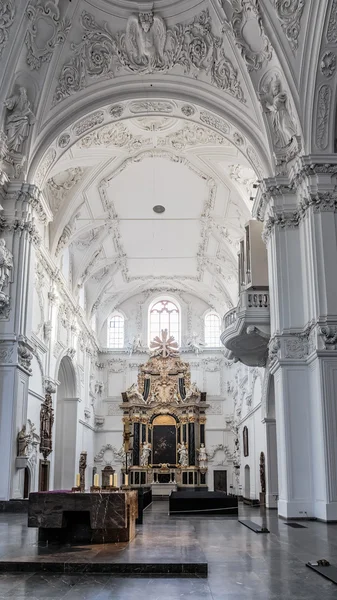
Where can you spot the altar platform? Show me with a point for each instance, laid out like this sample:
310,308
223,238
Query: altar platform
162,547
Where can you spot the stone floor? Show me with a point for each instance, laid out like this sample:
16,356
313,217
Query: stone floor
242,565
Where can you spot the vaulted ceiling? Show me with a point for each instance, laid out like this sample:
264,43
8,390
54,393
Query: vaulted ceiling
102,194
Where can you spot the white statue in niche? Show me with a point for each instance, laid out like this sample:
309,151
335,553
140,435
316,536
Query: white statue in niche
6,264
183,455
202,456
145,39
276,104
18,120
145,453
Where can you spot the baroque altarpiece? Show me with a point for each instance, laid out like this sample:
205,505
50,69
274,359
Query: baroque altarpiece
164,418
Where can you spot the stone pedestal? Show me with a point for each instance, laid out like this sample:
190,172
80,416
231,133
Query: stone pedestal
67,517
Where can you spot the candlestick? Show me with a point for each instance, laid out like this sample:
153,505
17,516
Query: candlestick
126,479
115,480
78,480
96,480
110,480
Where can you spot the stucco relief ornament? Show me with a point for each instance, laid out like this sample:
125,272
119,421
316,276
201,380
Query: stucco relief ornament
289,13
44,17
6,266
323,116
328,64
283,127
250,37
7,14
147,46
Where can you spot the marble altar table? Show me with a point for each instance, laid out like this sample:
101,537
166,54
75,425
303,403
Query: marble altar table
83,517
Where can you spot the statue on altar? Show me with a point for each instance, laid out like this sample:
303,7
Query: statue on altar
134,394
183,455
145,453
202,456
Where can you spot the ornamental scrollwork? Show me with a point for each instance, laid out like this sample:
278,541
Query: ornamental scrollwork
49,14
246,17
323,116
147,46
290,13
7,14
6,266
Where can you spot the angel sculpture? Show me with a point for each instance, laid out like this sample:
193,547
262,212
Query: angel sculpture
145,39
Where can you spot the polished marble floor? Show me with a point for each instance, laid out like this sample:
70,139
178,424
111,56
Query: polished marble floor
242,565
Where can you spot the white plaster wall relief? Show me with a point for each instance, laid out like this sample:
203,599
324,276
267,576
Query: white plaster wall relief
331,34
6,267
67,231
148,46
58,187
88,123
328,64
44,167
109,453
280,116
323,116
25,356
44,17
6,353
7,14
249,34
290,13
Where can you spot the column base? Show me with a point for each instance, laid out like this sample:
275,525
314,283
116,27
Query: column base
326,512
295,509
307,510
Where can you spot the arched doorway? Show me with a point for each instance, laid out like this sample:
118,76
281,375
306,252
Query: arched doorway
247,482
66,427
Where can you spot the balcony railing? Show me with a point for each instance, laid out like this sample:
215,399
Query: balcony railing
230,317
247,300
256,300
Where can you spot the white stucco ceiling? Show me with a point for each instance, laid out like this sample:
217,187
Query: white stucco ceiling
102,193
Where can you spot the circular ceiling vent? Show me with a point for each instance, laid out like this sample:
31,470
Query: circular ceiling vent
159,209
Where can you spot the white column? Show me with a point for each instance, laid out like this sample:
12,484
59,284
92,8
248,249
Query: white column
20,204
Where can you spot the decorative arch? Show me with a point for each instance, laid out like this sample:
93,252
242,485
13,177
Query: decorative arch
226,119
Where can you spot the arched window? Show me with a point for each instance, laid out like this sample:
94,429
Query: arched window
116,331
212,330
164,314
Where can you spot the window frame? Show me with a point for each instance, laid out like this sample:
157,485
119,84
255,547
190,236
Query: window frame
150,328
120,338
208,335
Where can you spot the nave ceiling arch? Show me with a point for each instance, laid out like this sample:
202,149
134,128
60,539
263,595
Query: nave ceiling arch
206,89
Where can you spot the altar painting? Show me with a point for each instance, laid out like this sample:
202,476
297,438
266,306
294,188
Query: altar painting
164,440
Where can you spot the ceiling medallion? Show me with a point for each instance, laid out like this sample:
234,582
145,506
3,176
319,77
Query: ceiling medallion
159,209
